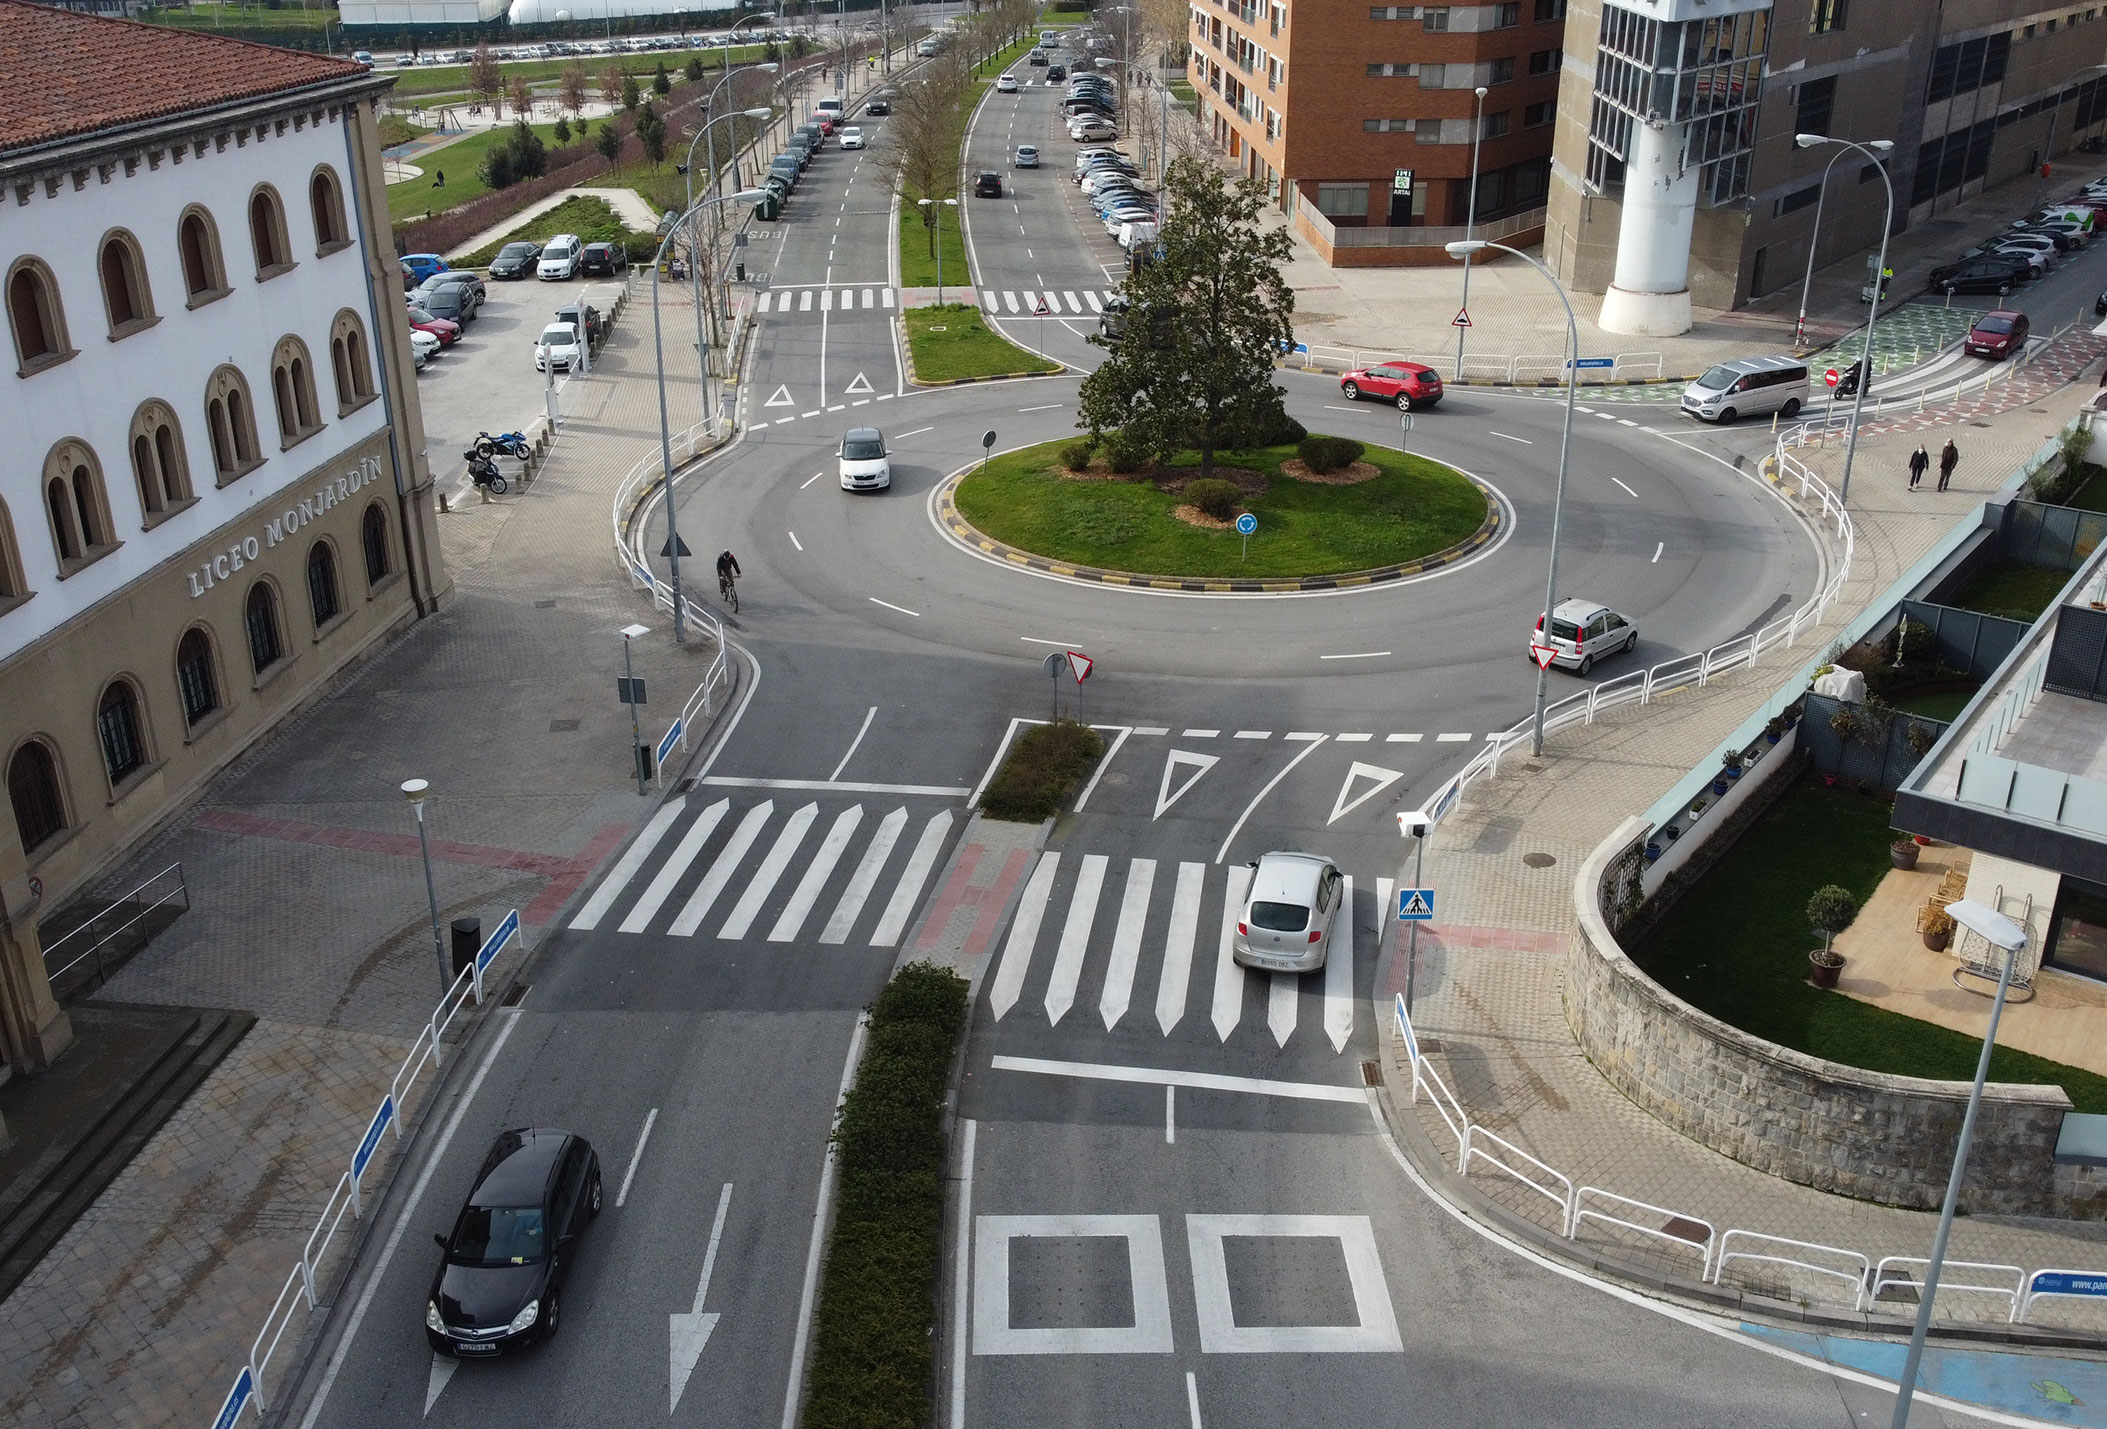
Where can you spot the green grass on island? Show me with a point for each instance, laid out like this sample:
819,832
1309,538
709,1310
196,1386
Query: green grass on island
461,162
1736,946
951,343
918,266
1413,508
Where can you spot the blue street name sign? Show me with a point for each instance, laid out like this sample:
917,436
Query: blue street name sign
1593,362
366,1148
495,943
237,1399
2068,1282
1246,524
1415,905
667,743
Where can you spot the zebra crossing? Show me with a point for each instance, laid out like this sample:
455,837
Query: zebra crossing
824,300
692,879
1028,303
1064,302
1158,930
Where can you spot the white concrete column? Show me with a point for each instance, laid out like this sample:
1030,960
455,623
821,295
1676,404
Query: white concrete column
1650,296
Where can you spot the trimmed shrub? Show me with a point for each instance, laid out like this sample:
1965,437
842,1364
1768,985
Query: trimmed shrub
1076,455
1328,454
1044,766
1124,454
1215,497
1286,433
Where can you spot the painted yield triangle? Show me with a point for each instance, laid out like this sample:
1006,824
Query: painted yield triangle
781,398
861,384
443,1367
1381,779
1200,764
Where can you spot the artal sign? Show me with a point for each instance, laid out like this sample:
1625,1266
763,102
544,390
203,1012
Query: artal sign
223,565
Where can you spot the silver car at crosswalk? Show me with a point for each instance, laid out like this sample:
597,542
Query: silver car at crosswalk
1287,919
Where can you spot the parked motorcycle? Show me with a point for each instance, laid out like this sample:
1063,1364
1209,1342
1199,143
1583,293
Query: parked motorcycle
2097,144
512,444
483,471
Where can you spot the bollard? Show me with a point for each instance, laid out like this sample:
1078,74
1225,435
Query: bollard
468,941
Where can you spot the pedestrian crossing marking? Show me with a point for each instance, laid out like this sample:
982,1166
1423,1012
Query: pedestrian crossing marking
887,295
781,398
861,384
816,875
1009,300
1380,778
1075,937
1178,946
1126,942
1074,305
683,854
1338,972
1024,931
1095,305
763,882
1201,763
1228,977
698,904
618,878
826,300
988,298
909,890
865,878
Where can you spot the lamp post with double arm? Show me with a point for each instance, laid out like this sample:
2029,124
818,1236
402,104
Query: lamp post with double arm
1865,370
1814,235
687,172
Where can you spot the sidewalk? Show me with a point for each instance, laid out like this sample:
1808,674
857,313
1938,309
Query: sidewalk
1489,984
308,907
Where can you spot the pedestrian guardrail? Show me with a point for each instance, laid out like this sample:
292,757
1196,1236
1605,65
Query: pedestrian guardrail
1855,1277
93,938
1563,1198
1883,1278
1479,367
300,1289
1672,1231
2060,1285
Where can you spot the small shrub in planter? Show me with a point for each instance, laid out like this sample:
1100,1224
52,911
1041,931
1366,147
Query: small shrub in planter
1774,730
1730,764
1076,455
1830,911
1936,926
1215,497
1653,851
1903,853
1044,766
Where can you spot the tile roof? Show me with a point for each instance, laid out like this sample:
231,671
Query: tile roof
71,74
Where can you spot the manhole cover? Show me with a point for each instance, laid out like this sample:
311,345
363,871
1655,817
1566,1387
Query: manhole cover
1538,860
544,605
562,726
1984,425
1682,1228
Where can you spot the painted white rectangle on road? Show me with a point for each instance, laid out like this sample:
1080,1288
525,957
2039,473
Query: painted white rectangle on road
1148,1334
1009,300
1178,946
1126,942
865,877
816,875
618,877
770,872
887,295
675,866
1220,1334
987,297
1338,975
909,889
1075,937
1095,305
1074,304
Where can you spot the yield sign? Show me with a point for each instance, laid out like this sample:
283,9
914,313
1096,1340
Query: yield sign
1462,318
1080,665
781,398
861,384
1542,654
1379,780
1200,763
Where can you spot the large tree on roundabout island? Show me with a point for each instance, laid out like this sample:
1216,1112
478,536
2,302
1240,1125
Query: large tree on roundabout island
1193,369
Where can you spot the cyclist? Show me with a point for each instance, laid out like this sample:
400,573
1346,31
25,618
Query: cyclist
727,572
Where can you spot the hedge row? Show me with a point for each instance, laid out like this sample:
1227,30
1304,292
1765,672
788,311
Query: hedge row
874,1339
1044,767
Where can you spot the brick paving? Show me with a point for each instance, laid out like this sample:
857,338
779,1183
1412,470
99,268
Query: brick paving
308,907
1488,989
959,929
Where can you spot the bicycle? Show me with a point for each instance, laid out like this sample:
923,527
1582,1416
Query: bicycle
728,591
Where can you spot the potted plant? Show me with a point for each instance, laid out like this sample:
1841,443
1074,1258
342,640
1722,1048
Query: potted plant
1845,723
1774,729
1730,765
1936,926
1697,807
1653,850
1903,853
1830,910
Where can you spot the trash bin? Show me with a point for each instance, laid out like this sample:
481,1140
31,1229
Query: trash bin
769,206
740,269
468,941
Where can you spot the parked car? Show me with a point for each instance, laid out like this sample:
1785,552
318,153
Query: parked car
473,291
446,330
987,184
1993,274
1408,384
865,464
1006,84
556,347
451,301
604,260
1997,334
499,1285
559,260
515,260
416,267
584,315
852,138
1092,129
423,347
1582,632
1286,922
1027,156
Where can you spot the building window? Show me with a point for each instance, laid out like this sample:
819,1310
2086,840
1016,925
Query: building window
124,292
1342,200
12,585
2027,33
267,233
33,787
1550,10
293,390
34,313
1500,71
1826,16
195,681
117,725
158,462
1496,124
1797,200
1816,105
348,360
231,423
326,202
1436,19
373,536
1433,76
77,506
204,275
1506,17
1393,12
1546,61
322,583
1389,126
1535,116
260,615
1392,70
2077,940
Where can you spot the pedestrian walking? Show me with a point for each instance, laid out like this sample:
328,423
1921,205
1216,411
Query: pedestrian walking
1919,463
1948,460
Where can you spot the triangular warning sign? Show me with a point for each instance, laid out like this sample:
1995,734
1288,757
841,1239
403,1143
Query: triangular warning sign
861,384
1543,655
1040,309
1462,318
781,398
1200,764
1080,665
1381,779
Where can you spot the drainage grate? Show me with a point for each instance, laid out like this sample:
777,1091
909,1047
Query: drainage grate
1538,860
544,605
1683,1228
684,785
562,726
1371,1074
518,994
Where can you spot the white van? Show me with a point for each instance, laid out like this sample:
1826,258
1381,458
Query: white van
1748,387
828,108
559,260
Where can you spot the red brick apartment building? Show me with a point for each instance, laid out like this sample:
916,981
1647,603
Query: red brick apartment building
1374,160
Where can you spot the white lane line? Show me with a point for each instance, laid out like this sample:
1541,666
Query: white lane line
769,873
1451,738
1102,765
1024,931
864,878
1627,490
611,887
813,413
1193,1081
1058,644
784,421
828,1171
1403,738
1228,974
1523,440
816,875
1338,974
1252,734
902,436
901,906
839,407
1626,422
1126,942
861,731
1075,937
635,1157
1049,407
1360,655
1313,743
1201,733
832,786
1353,738
1659,546
962,1278
1329,408
1192,1391
795,541
1150,729
890,606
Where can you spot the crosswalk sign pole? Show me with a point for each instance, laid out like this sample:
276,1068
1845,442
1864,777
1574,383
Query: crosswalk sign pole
1419,864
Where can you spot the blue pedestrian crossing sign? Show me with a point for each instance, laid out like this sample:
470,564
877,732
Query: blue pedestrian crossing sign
1415,905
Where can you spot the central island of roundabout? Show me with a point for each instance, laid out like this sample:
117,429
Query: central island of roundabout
1330,514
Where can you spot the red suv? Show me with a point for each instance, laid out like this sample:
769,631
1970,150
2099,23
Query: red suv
1406,383
1998,334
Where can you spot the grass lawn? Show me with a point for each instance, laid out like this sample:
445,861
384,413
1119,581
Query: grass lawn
1943,705
2092,496
453,79
460,160
2012,590
951,342
590,218
917,263
1414,508
1736,946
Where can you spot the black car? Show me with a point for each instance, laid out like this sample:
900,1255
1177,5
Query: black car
604,260
878,107
500,1284
1056,73
458,278
515,260
595,324
449,300
987,184
1981,275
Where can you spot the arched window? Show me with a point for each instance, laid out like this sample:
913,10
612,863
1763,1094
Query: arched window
13,587
293,387
267,233
326,201
33,786
373,535
121,730
158,462
204,274
77,505
260,615
196,681
322,583
347,357
231,425
125,294
34,313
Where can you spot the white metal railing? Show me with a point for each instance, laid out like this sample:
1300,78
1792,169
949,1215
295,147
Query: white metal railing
162,889
2058,1284
1882,1279
300,1289
1563,1199
1856,1279
1584,1212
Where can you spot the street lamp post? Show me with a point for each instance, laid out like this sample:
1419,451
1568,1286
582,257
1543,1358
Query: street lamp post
1565,446
636,730
1470,223
687,171
1865,369
1799,327
415,790
925,203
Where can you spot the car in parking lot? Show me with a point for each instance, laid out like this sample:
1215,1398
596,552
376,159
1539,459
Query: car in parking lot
1027,156
1286,922
416,267
559,259
1993,274
1006,84
1582,632
1997,334
515,260
423,347
473,291
500,1281
987,184
603,260
865,464
852,137
585,317
1092,128
556,347
450,301
1410,385
445,330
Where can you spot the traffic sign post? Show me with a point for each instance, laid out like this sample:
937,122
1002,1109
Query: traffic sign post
1832,377
1079,665
1543,655
987,445
1415,905
1054,664
1246,523
1404,421
1462,319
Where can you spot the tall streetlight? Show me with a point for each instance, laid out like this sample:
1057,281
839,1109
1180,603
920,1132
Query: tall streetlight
2002,933
1163,128
1470,222
687,173
1799,327
925,203
665,428
2055,111
415,790
1865,369
1565,445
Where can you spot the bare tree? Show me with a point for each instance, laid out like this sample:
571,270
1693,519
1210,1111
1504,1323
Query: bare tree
487,79
522,97
611,79
572,87
920,152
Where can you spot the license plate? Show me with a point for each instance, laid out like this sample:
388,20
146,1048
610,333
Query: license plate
464,1348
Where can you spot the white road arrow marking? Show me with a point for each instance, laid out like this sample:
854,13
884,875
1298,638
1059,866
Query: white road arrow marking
690,1332
861,384
1200,763
1228,976
1338,972
442,1373
1383,779
782,398
1280,1006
